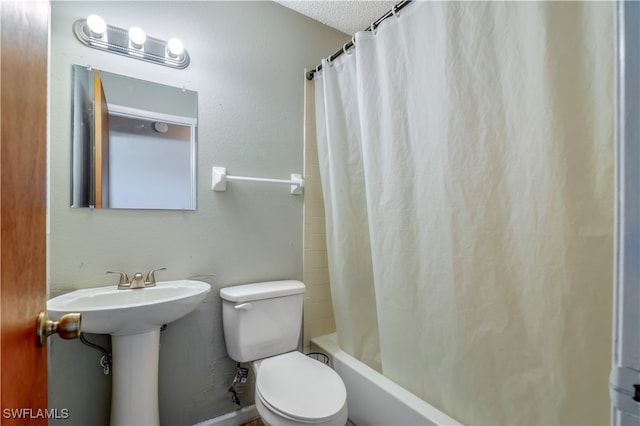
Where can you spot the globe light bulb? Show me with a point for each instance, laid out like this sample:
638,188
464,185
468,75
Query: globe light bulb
175,47
137,36
96,25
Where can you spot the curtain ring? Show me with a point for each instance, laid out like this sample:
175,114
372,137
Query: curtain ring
373,28
318,69
329,61
345,50
394,11
353,40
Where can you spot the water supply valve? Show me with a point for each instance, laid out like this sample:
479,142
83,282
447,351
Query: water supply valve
106,362
241,377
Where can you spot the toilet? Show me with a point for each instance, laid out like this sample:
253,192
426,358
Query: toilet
262,324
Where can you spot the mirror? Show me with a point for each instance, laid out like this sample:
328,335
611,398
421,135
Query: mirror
134,143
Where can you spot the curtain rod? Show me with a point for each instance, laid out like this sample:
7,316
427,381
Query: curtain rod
350,44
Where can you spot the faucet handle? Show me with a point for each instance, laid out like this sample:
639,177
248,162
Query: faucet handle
124,279
151,277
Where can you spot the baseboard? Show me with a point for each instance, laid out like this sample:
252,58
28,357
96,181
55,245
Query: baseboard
235,418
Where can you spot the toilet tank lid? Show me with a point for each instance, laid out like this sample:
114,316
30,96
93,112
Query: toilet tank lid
263,290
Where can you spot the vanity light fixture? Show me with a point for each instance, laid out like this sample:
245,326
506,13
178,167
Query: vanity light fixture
134,43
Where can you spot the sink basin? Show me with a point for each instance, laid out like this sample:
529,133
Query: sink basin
133,319
107,310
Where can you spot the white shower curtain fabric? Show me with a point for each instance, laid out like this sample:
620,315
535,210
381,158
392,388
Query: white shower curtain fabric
466,154
349,250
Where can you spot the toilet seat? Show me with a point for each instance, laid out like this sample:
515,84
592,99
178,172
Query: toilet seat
300,388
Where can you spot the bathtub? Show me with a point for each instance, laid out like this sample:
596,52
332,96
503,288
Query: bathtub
374,399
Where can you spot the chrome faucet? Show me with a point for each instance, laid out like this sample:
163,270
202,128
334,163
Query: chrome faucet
137,281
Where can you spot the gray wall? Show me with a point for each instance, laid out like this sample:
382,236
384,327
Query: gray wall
247,61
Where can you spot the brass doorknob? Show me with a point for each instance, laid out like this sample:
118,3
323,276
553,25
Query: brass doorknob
67,327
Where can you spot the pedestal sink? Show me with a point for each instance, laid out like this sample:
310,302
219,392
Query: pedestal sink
133,319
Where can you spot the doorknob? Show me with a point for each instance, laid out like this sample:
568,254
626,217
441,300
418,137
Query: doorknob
67,327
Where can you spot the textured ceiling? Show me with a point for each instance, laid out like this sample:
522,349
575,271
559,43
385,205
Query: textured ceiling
346,16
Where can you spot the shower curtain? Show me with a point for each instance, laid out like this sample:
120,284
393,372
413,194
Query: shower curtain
466,155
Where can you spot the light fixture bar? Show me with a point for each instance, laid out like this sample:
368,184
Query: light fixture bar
116,40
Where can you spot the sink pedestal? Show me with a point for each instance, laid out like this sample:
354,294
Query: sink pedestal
134,394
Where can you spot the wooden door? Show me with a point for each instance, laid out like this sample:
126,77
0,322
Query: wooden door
100,145
23,197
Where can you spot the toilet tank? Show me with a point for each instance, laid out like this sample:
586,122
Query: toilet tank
262,319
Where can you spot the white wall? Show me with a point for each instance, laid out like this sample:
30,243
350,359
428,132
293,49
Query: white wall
247,61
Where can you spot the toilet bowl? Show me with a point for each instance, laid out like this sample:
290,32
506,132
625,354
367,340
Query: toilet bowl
262,324
293,389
